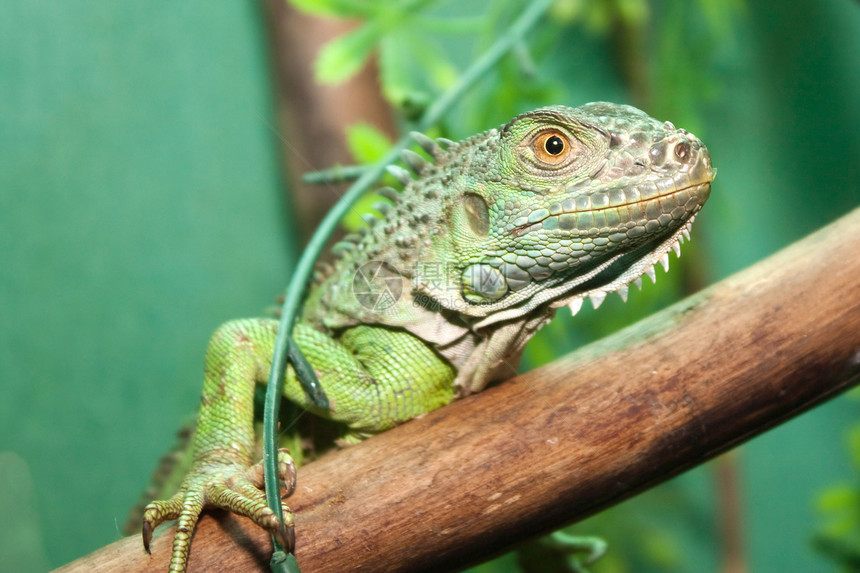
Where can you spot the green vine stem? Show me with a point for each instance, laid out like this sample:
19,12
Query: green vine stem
337,174
284,345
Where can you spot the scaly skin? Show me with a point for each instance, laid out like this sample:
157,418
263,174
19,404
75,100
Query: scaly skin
438,298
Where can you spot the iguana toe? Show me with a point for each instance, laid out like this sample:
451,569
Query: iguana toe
227,486
157,513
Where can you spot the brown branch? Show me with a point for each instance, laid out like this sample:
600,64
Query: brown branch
571,438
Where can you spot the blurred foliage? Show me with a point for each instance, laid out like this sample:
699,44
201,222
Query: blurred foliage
420,46
838,535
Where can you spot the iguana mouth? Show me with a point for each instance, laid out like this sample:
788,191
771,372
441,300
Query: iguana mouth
692,195
594,284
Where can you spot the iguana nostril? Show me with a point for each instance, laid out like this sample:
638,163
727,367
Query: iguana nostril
682,151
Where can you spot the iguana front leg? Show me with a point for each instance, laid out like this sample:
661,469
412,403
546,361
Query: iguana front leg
374,378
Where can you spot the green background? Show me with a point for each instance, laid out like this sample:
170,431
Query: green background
141,205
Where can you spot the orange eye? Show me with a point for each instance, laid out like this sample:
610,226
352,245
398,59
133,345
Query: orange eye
552,147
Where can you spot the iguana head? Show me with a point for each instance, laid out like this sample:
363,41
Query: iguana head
562,204
558,205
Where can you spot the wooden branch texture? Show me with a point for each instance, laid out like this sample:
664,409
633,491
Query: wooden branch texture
571,438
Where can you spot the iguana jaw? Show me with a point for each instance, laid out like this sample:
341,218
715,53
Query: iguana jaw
632,275
599,281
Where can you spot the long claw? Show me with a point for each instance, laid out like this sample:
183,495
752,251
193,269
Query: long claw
286,473
157,513
146,531
285,533
290,544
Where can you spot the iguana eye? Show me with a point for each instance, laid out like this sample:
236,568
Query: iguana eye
552,147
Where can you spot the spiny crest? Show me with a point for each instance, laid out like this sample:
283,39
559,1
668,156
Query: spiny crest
322,270
445,142
429,146
342,247
418,165
389,193
414,161
598,296
382,208
403,177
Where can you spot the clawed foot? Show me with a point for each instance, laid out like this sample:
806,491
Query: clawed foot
225,485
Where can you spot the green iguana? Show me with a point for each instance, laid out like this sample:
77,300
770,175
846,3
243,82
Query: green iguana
438,297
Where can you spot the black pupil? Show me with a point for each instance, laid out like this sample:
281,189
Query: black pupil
554,145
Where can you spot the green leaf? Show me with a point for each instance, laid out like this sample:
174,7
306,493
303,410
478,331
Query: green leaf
343,57
567,11
394,71
366,143
441,71
633,12
406,83
854,444
836,498
336,8
721,15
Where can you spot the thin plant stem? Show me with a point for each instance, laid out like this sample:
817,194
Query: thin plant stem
337,174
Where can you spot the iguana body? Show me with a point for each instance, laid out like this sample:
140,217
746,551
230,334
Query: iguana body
438,297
